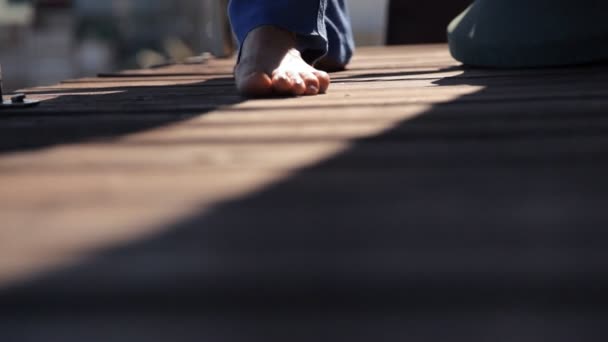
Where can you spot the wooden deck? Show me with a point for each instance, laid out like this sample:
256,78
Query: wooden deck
416,201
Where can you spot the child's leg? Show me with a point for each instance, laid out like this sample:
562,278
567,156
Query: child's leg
280,40
530,33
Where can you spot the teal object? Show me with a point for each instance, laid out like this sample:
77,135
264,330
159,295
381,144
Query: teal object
530,33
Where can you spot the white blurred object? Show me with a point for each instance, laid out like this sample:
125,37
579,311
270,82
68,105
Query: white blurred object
150,58
93,55
177,50
216,36
369,20
15,14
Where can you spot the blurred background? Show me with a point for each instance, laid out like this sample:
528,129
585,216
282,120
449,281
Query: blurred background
46,41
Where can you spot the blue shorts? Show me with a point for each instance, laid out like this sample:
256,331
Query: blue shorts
322,26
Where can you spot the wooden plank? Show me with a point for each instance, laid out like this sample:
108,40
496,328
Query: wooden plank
414,187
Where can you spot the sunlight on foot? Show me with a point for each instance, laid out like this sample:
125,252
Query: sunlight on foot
271,65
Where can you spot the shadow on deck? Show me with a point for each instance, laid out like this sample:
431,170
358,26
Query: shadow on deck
481,219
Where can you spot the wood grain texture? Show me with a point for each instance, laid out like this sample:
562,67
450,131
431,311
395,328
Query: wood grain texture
418,200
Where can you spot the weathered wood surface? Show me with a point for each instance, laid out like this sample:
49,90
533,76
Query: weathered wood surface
416,201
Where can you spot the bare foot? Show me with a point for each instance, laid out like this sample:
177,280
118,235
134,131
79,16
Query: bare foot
270,64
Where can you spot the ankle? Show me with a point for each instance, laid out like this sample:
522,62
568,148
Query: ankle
269,37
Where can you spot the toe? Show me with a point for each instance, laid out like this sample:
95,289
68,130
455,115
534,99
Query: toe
323,79
312,83
282,83
299,86
254,84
